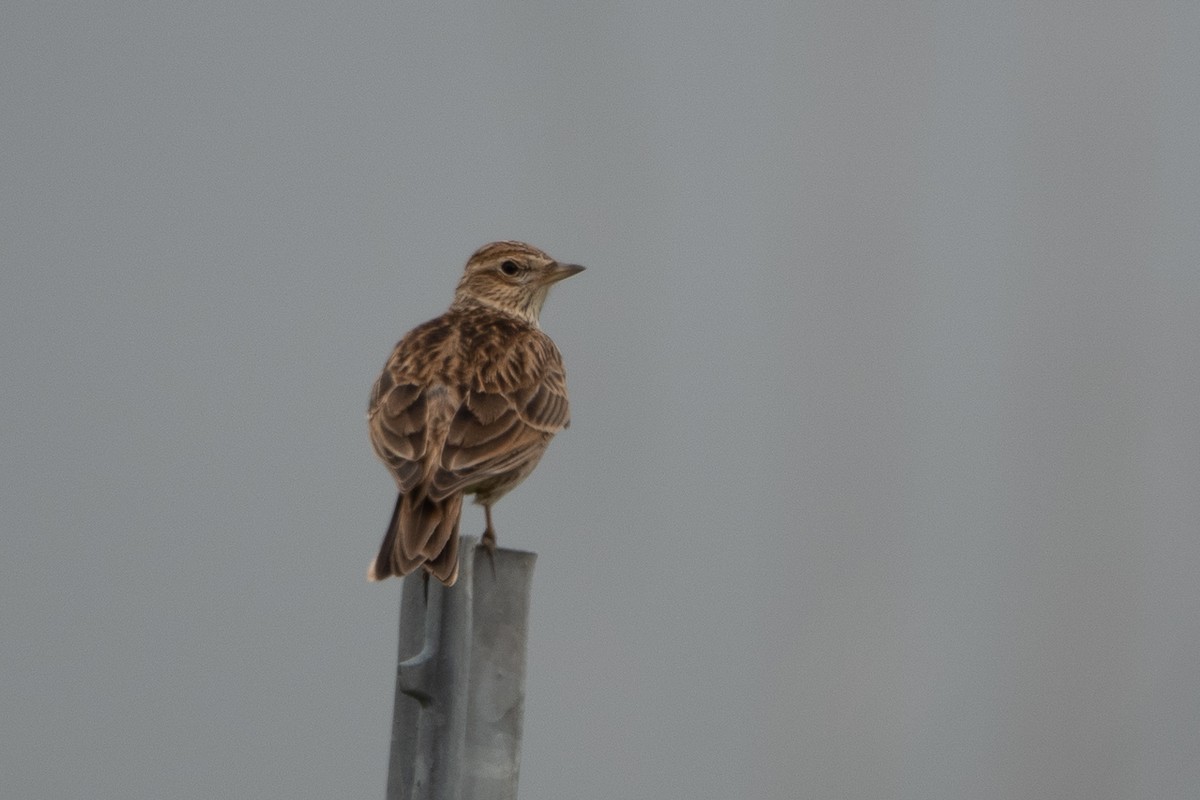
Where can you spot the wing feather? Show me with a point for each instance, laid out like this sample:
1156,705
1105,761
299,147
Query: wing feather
517,402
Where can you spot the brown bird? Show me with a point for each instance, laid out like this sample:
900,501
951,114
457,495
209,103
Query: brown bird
467,404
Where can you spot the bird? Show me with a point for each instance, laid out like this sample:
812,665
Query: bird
466,405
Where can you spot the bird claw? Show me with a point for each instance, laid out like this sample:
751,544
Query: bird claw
488,543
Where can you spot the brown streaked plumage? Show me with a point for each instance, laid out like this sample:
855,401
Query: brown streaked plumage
467,404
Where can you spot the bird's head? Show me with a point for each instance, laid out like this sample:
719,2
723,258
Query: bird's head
511,277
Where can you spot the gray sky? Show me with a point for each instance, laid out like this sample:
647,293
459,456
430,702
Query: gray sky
883,473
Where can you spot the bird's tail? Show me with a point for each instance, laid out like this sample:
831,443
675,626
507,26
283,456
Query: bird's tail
422,532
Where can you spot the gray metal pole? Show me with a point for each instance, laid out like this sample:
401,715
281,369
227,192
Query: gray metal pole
460,681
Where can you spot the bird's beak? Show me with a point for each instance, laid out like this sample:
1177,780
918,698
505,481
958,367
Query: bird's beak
558,272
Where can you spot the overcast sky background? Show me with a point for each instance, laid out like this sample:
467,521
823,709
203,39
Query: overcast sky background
884,472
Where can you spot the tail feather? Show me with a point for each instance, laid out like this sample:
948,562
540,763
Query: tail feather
383,566
420,518
421,531
446,528
444,566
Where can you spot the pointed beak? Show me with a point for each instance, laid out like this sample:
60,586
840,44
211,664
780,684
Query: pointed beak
558,272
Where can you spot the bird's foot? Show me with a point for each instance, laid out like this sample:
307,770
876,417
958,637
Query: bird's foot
488,543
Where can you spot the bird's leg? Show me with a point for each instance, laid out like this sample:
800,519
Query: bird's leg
425,586
489,534
488,540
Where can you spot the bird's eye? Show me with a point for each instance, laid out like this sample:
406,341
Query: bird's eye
509,268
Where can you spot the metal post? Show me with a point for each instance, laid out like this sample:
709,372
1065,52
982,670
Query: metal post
460,681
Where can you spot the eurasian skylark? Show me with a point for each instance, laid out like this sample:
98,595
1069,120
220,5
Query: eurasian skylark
467,404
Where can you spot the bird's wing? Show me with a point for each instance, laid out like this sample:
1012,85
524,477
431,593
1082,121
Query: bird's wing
513,407
396,419
410,410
